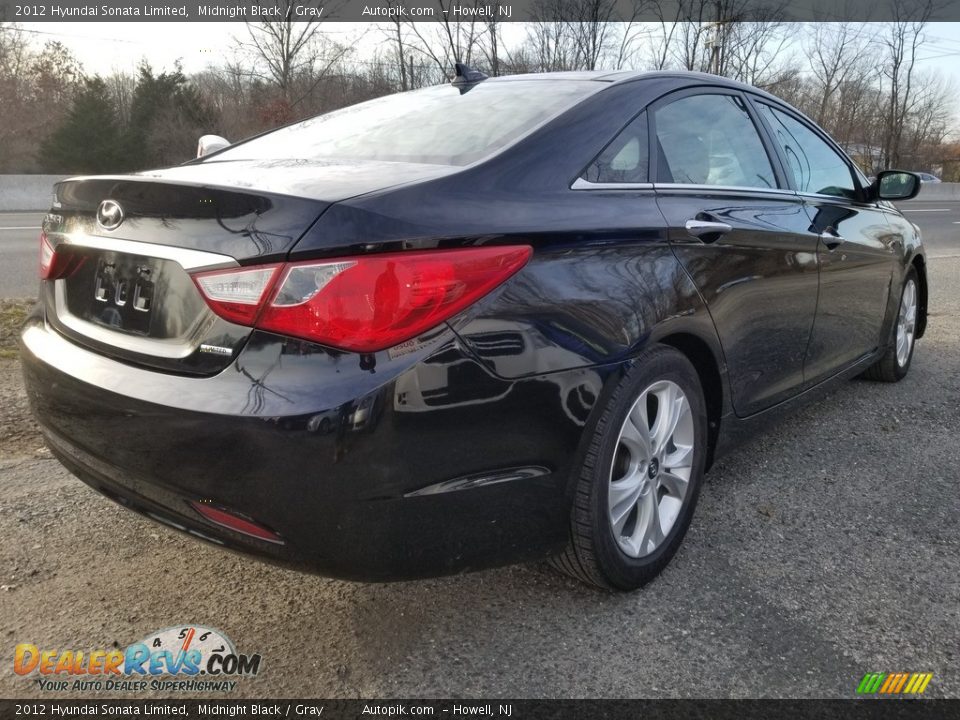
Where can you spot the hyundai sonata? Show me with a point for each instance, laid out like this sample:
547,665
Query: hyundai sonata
488,322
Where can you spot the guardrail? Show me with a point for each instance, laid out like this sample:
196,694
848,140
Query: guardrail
939,191
26,192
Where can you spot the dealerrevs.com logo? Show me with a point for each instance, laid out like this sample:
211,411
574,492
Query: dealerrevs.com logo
185,658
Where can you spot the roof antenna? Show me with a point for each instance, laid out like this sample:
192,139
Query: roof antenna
466,77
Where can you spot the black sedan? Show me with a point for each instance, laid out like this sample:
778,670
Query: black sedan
495,321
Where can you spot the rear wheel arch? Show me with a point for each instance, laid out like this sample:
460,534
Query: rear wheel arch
706,363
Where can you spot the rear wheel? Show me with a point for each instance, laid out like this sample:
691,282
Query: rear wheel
895,363
639,481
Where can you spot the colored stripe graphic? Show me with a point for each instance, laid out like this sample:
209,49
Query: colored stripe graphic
894,683
900,683
870,683
915,681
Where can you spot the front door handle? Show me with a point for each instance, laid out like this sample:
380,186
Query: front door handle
707,230
831,238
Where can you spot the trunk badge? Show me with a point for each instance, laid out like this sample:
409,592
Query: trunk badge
109,215
216,349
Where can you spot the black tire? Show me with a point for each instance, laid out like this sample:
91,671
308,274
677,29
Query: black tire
888,368
593,554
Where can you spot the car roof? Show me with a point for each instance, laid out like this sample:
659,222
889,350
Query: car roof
599,75
683,77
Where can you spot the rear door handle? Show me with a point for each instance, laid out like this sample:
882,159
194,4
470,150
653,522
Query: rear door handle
707,230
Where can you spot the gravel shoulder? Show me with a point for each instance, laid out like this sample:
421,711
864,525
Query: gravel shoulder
826,548
19,434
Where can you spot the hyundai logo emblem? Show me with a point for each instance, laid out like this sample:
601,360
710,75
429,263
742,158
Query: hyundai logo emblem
109,215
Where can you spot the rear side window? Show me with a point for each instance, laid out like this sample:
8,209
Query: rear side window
816,167
711,140
626,159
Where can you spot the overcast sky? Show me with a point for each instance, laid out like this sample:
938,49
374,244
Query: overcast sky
106,46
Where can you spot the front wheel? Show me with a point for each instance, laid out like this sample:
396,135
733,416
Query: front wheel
895,362
640,478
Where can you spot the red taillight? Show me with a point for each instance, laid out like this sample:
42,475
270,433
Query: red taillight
366,303
47,255
55,265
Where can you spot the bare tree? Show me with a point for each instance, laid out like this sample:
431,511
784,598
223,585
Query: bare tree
292,55
591,28
630,35
756,51
447,41
489,44
283,48
122,85
693,32
14,113
928,121
903,40
837,53
394,32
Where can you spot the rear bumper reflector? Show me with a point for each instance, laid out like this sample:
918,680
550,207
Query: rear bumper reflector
231,521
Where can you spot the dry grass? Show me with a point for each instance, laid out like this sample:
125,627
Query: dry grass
13,311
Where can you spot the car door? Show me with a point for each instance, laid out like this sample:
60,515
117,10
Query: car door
742,236
855,245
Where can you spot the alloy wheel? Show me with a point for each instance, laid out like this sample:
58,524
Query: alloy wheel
906,322
651,468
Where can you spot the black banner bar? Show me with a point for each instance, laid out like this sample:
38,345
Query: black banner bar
499,709
475,10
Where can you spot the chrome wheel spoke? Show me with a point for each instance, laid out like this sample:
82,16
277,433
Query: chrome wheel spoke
681,457
674,484
648,533
623,497
636,435
669,410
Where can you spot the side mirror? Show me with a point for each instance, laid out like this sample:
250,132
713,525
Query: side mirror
210,144
896,185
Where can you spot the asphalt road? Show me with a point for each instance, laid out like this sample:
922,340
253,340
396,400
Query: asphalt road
826,548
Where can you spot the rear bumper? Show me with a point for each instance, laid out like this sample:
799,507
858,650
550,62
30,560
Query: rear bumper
329,450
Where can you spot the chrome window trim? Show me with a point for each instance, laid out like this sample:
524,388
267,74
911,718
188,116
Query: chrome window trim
725,188
189,260
581,184
837,198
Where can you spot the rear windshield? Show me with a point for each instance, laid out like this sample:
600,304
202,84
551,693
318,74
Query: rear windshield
436,125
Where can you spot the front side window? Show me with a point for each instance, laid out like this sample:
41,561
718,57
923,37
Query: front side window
711,140
816,167
626,159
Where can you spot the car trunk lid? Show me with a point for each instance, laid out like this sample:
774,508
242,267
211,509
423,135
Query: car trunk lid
132,296
140,236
